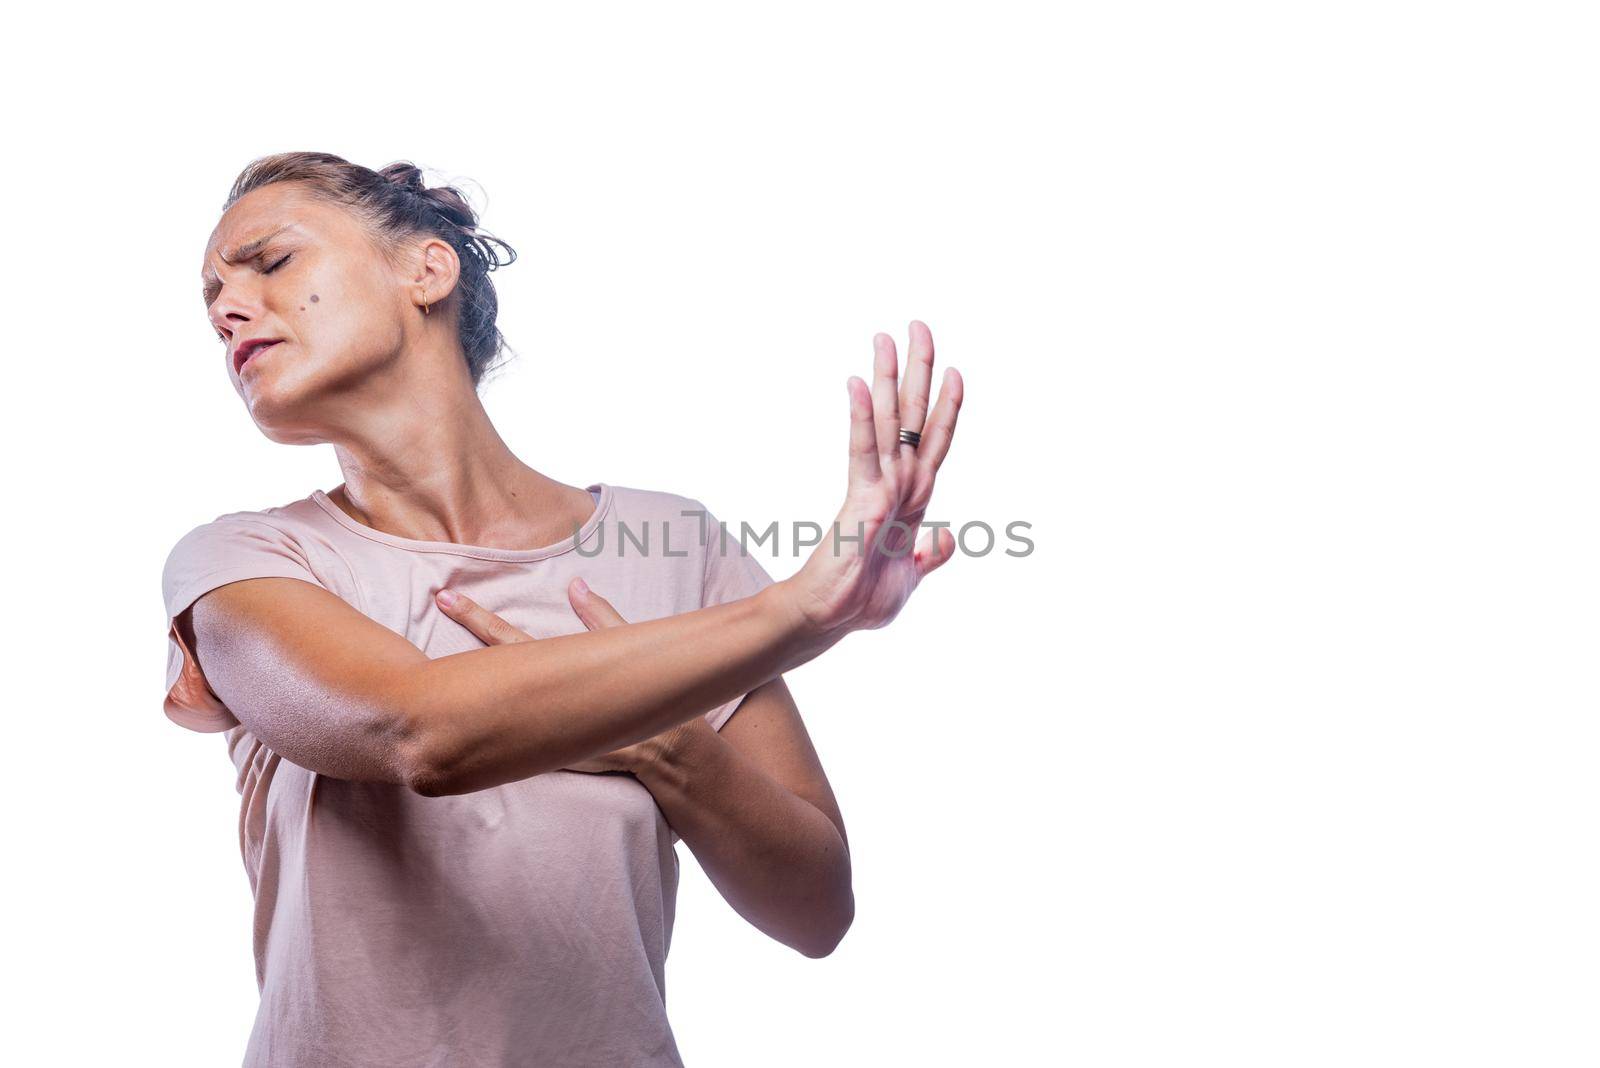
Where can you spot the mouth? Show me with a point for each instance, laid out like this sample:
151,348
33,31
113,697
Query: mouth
250,349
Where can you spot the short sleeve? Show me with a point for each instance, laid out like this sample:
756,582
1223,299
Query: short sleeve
732,572
214,554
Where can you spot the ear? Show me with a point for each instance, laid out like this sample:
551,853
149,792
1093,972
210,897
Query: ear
435,271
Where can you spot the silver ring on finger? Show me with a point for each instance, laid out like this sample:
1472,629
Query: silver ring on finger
910,437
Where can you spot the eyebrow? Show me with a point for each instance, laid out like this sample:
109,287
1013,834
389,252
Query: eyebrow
210,284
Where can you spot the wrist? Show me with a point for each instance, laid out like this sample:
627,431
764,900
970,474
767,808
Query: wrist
804,636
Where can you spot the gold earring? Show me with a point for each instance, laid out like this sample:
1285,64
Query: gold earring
424,308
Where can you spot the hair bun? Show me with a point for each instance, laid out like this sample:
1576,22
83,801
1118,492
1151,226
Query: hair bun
445,200
407,176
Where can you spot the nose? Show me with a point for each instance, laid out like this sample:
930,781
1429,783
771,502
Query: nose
234,307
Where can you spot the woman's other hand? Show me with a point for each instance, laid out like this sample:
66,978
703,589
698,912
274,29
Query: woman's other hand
859,586
596,612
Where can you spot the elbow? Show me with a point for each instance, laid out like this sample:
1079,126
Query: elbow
426,767
416,752
428,780
827,937
435,762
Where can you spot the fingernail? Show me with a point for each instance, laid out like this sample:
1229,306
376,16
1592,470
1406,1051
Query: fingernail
447,597
582,587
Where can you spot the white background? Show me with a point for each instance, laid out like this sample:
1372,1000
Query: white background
1278,324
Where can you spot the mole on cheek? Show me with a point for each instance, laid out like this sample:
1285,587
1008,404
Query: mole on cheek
314,298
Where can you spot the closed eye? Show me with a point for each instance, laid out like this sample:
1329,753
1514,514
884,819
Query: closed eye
275,266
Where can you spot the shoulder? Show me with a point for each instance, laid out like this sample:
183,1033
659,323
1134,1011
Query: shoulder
724,558
288,521
633,502
684,526
683,519
234,539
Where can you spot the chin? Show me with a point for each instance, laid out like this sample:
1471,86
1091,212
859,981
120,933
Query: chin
290,437
281,412
287,434
290,397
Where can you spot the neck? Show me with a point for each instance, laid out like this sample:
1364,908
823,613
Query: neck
421,460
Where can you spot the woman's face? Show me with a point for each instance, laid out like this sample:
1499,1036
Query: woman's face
284,264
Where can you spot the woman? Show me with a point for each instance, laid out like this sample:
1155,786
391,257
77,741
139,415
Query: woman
465,763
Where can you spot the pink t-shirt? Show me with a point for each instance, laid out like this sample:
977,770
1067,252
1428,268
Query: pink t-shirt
526,924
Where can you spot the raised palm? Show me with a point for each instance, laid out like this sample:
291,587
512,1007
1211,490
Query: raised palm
862,585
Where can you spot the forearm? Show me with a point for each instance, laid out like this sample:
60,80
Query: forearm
506,712
778,860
